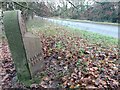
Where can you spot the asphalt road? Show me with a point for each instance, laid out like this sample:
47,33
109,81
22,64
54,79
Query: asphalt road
107,30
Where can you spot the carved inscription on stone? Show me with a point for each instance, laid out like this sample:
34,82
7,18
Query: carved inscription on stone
34,52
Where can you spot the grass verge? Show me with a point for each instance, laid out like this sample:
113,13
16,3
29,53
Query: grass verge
88,21
93,38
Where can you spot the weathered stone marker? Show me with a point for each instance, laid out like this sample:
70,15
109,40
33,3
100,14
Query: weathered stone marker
25,47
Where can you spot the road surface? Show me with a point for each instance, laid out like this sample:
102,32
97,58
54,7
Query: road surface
104,29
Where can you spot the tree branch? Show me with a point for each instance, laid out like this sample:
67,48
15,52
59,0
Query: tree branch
71,4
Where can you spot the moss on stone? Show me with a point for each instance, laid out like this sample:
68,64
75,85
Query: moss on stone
13,34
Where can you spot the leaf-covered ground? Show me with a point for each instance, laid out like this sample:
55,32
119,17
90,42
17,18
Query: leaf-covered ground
7,69
71,61
74,62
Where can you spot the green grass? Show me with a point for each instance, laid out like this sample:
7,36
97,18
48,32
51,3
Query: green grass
93,38
35,24
88,21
